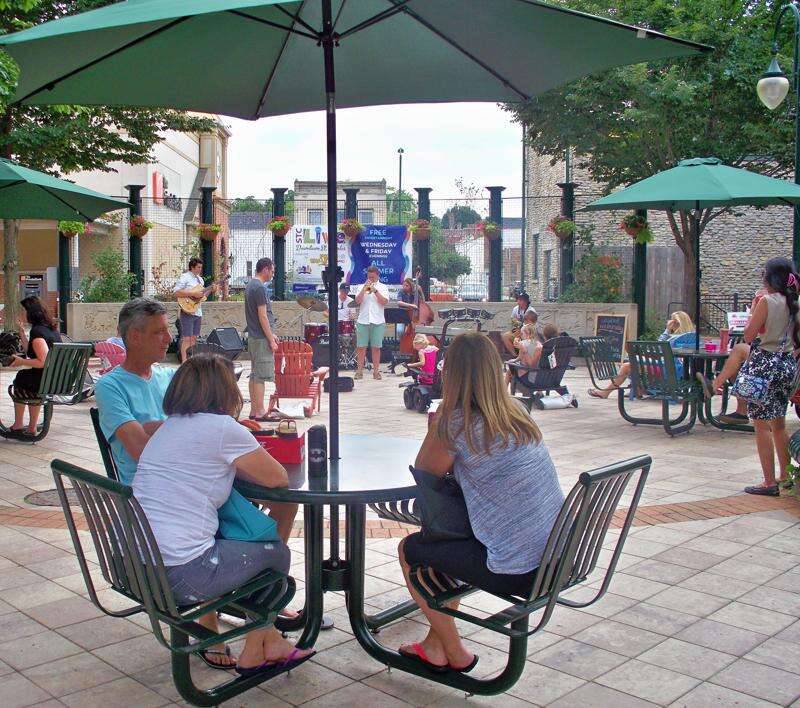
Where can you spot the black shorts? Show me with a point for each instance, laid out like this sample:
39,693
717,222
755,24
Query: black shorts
466,560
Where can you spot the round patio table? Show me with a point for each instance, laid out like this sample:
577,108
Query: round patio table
702,361
372,469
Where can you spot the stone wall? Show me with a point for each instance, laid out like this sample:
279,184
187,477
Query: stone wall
98,321
733,246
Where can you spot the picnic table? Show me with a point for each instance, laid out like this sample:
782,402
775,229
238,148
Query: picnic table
707,363
372,469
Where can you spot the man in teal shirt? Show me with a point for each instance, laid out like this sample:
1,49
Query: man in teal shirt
130,398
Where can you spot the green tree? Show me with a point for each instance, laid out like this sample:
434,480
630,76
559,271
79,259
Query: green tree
407,206
250,203
460,214
446,263
629,123
65,139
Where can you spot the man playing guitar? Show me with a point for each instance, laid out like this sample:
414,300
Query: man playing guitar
191,285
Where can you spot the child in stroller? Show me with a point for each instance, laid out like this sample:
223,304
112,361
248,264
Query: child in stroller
418,393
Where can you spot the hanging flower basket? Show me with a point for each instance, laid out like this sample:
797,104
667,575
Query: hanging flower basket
208,232
637,227
139,227
420,229
561,226
279,226
489,229
351,228
70,229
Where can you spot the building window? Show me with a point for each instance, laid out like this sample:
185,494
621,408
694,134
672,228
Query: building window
366,216
548,259
535,246
315,217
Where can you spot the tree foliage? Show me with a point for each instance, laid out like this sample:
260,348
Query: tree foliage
64,139
460,214
112,283
401,207
629,123
446,263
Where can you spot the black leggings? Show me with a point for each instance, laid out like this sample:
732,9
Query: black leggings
465,560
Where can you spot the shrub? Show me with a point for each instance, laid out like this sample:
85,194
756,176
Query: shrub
112,283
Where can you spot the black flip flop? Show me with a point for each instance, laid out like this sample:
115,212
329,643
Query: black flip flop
204,656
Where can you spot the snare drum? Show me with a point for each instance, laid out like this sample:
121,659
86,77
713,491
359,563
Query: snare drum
313,331
346,327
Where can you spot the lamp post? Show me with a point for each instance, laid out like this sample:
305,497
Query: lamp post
772,89
399,184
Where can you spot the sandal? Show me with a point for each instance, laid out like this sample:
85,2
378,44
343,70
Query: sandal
418,652
771,491
286,664
594,393
206,655
465,670
287,429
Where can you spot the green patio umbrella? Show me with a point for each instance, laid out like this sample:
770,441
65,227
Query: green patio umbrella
700,183
28,194
255,58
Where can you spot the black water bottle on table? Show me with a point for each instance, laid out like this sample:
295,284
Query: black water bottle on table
317,440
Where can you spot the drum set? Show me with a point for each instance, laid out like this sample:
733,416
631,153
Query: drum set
316,333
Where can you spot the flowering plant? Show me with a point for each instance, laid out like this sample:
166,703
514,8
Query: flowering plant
420,229
279,225
488,228
561,226
139,226
208,232
637,227
71,228
351,227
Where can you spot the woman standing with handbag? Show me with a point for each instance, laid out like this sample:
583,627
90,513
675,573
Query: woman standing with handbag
771,367
510,489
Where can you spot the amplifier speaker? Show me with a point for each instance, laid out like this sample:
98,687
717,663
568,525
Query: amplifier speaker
227,338
345,384
321,352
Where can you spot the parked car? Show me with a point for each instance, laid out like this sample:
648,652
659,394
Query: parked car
441,292
474,292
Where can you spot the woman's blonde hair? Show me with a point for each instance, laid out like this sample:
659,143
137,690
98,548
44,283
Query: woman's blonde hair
204,384
472,384
420,340
684,322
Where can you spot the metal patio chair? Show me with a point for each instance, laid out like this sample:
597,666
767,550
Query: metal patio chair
569,558
63,383
653,369
131,563
600,360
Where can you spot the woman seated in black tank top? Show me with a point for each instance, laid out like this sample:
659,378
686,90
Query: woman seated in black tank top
37,343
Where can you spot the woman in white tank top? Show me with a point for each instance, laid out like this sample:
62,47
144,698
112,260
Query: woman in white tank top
776,317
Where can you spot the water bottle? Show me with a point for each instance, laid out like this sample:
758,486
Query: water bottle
317,451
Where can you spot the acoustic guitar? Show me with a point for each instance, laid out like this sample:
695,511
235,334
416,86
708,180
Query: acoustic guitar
190,303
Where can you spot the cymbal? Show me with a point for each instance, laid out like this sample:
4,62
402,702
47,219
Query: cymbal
311,302
318,306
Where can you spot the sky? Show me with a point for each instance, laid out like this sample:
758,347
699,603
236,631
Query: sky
442,142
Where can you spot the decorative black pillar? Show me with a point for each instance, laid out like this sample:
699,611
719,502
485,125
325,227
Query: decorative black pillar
640,280
279,245
567,259
350,203
134,242
496,245
207,217
424,246
64,279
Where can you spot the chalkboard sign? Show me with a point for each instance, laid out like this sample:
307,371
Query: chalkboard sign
614,328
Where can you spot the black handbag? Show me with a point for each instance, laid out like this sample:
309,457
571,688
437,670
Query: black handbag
441,507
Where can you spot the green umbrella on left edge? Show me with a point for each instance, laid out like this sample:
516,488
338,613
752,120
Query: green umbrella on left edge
700,183
28,194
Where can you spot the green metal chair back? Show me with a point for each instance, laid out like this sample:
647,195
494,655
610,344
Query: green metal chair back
653,369
600,359
65,371
579,532
105,449
126,549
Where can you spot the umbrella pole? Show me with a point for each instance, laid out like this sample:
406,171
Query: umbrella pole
331,282
697,274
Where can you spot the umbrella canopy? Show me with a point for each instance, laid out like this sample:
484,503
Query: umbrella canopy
28,194
695,184
254,58
701,183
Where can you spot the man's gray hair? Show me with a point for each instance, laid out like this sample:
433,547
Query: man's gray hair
134,313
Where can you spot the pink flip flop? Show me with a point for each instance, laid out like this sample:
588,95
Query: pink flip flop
287,664
418,652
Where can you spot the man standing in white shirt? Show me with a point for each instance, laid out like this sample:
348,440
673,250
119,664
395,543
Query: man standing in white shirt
371,299
186,287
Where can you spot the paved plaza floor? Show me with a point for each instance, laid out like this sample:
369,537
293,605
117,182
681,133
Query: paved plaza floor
703,610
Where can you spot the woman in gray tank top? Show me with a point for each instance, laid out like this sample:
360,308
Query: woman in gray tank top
495,450
774,320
